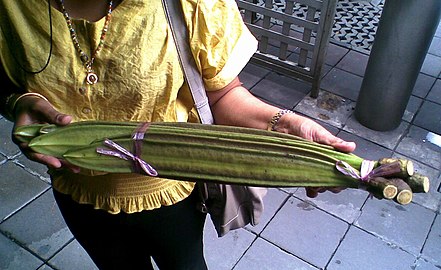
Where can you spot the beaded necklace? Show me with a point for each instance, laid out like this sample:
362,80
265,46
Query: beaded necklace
91,77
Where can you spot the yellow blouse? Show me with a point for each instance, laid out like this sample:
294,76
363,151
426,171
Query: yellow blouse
140,78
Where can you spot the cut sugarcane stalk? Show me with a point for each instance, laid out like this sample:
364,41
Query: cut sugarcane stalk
418,183
405,193
407,168
383,186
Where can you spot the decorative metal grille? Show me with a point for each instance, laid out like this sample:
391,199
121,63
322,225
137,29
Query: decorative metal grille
289,43
355,24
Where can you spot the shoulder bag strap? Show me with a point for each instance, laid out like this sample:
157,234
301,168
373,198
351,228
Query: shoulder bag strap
175,18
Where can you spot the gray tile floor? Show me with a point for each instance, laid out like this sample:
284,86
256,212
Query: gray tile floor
333,231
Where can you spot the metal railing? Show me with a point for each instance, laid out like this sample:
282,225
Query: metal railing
291,44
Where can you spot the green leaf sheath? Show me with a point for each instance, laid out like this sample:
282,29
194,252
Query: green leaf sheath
27,133
185,151
220,163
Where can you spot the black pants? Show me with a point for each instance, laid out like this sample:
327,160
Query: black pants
172,235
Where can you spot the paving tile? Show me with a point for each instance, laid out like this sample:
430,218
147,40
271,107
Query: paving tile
223,253
415,145
432,248
281,90
17,187
435,92
423,85
438,31
72,257
362,251
342,83
33,168
432,65
273,201
354,62
263,255
252,74
305,231
45,267
290,190
325,70
15,257
46,233
388,139
405,226
435,46
327,107
422,264
429,117
411,109
334,54
366,149
432,199
345,205
7,147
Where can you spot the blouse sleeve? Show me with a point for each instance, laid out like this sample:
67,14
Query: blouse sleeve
220,42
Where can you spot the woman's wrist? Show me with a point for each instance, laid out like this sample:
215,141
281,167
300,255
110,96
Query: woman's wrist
276,123
7,108
12,101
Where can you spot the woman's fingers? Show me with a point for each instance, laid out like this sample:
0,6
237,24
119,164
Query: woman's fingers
32,110
50,161
311,130
313,192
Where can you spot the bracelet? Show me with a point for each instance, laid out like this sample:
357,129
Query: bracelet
14,102
276,118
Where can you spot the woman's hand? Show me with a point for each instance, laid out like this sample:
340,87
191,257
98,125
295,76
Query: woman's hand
311,130
35,110
306,128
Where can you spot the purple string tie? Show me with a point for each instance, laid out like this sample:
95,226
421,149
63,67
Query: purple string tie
120,152
367,170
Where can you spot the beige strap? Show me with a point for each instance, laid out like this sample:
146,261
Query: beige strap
175,18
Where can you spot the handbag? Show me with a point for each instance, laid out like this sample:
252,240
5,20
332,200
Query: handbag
229,206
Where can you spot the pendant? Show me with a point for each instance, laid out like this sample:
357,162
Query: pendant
91,77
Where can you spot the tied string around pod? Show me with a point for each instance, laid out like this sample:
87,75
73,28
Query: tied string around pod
116,150
367,170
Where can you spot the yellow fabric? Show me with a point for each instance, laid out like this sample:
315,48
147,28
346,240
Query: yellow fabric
140,78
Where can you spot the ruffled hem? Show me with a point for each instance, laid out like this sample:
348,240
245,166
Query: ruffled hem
173,194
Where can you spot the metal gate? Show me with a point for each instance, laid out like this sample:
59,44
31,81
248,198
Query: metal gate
289,43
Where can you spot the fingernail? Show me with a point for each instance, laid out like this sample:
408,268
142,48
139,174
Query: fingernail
59,117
